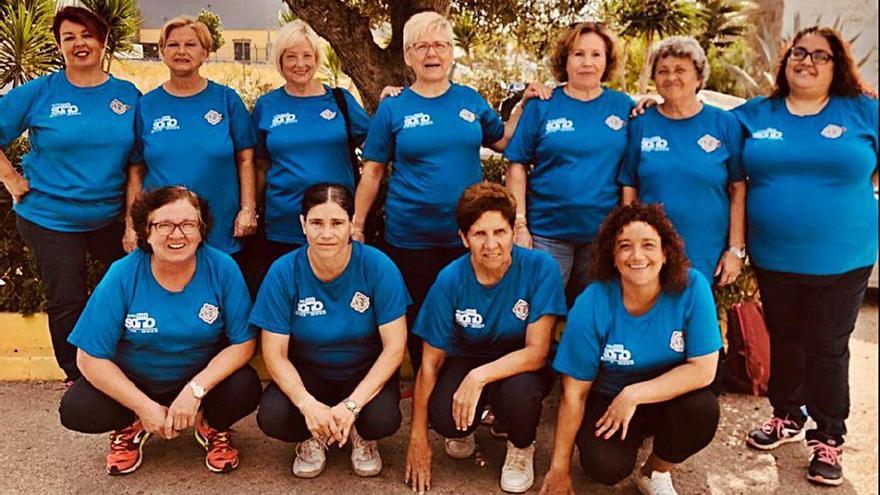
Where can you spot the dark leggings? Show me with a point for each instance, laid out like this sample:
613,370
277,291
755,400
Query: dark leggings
86,409
681,427
280,419
516,400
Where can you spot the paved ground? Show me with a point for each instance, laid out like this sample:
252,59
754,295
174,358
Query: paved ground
38,456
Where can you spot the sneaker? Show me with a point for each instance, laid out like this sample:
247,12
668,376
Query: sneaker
518,473
126,449
310,458
775,432
222,457
825,457
658,484
460,448
365,458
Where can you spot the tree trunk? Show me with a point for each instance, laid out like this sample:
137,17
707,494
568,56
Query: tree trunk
646,69
623,58
370,67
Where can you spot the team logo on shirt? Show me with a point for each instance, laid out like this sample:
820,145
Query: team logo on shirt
328,114
140,323
283,119
469,318
832,131
709,143
768,133
165,123
654,143
209,313
521,309
558,125
360,302
310,307
63,110
615,122
213,117
417,120
467,115
617,354
118,107
676,342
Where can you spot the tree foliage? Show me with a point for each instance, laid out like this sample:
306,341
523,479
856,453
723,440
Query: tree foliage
123,17
215,26
27,48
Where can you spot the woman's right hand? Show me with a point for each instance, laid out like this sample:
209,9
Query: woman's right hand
418,465
644,104
319,421
522,237
153,417
17,186
358,235
557,482
391,91
129,238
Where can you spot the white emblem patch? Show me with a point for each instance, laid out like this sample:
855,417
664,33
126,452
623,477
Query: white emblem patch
521,310
360,302
118,107
328,114
709,143
209,313
615,122
213,117
768,133
467,115
676,342
832,131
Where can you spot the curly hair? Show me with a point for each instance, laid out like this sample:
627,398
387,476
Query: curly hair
149,201
673,275
483,197
846,81
559,59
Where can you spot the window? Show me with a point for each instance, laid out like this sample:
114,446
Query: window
151,51
242,50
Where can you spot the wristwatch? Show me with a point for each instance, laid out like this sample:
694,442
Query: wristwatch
352,406
197,390
739,252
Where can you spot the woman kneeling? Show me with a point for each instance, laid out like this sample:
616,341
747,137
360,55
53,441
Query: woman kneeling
334,333
164,341
639,351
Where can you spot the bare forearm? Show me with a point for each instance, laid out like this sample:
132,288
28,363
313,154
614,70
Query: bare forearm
678,381
423,388
287,378
366,193
737,233
529,358
517,181
628,195
134,184
386,365
107,377
247,179
225,363
7,171
568,422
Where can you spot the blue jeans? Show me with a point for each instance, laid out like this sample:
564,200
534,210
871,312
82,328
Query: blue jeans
573,259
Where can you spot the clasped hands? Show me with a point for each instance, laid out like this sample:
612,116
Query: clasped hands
328,424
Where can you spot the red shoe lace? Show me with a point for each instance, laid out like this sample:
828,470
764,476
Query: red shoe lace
121,439
827,454
774,426
218,440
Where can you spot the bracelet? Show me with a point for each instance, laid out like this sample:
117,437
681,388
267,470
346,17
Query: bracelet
248,208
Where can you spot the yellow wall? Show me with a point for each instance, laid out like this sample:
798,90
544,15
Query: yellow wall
260,43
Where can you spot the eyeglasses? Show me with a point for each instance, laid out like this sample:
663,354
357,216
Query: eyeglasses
187,227
440,47
819,57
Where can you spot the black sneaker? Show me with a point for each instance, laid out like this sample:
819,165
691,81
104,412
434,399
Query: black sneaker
826,452
775,432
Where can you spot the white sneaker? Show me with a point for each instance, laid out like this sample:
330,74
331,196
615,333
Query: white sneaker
365,458
658,484
310,458
460,448
518,473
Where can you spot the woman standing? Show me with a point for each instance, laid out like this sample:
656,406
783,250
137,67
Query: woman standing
72,195
810,154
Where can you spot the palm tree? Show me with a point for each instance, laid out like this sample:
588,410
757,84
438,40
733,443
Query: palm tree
27,48
124,19
466,36
722,21
331,68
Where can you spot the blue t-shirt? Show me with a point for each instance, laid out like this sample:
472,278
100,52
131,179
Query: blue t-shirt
606,345
464,318
810,207
160,337
576,148
687,164
435,146
81,140
192,141
333,326
306,141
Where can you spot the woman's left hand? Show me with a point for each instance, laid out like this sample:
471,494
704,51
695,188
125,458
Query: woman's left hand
344,421
728,269
536,90
390,91
465,399
245,222
182,412
617,416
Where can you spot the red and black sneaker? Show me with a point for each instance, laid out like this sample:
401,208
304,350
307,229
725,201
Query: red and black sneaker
826,452
775,432
126,449
222,457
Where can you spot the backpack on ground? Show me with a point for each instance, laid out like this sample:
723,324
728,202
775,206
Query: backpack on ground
748,350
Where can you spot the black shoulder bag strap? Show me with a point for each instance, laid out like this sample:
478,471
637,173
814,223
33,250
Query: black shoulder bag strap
339,96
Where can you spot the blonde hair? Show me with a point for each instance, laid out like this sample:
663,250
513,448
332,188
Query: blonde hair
681,47
290,34
202,32
423,23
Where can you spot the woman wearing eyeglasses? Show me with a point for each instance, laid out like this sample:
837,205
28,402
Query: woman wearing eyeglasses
432,132
810,155
164,341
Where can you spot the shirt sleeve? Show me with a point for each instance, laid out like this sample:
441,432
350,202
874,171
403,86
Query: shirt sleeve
15,109
261,150
389,290
236,303
702,333
734,142
243,135
435,322
379,146
548,296
629,169
871,107
100,326
360,121
493,127
521,148
273,310
580,349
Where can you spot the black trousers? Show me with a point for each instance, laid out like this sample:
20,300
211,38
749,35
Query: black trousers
61,260
280,419
86,409
681,427
257,255
810,319
419,268
516,400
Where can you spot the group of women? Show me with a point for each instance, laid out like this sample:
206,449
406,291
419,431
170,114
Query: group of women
473,277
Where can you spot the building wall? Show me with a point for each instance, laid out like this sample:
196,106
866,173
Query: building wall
260,42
